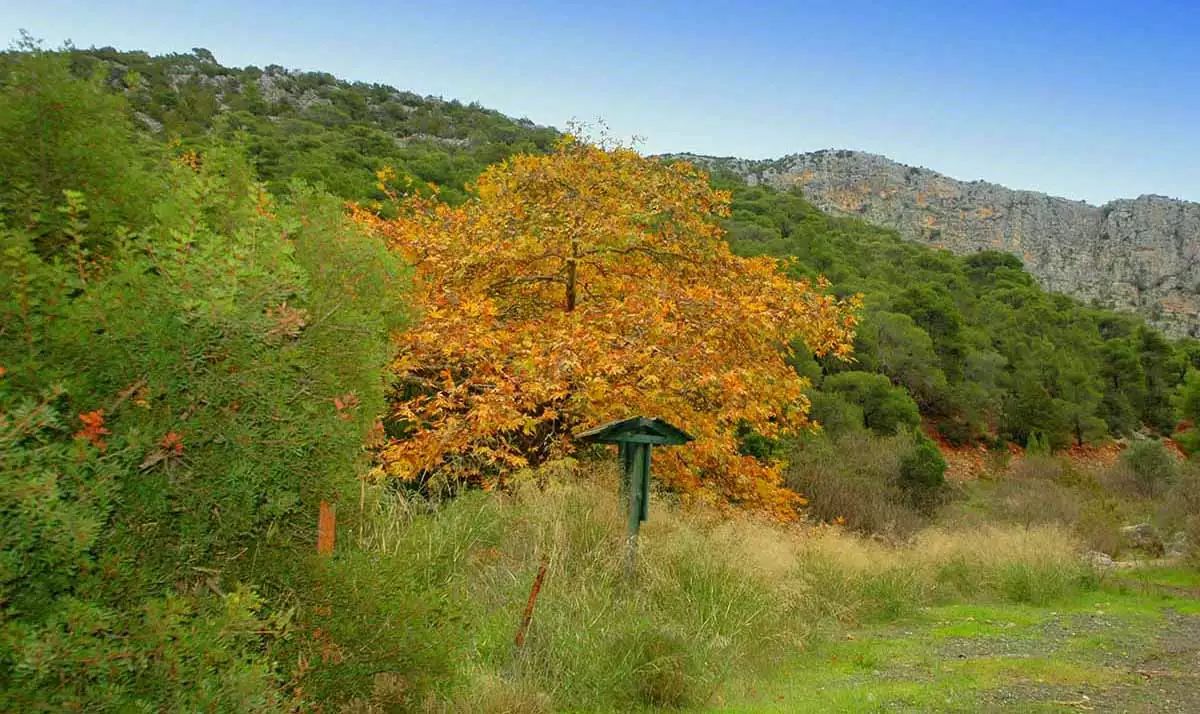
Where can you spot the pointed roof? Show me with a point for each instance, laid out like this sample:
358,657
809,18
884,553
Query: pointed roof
637,430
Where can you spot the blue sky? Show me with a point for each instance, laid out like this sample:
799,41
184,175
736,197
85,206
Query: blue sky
1089,100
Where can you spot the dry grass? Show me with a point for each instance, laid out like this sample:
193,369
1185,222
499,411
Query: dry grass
715,598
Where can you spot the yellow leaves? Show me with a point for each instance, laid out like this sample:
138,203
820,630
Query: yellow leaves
591,285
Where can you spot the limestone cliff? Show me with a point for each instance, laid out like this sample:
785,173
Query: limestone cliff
1133,254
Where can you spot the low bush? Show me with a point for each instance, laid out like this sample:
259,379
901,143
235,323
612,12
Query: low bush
857,479
1153,466
922,475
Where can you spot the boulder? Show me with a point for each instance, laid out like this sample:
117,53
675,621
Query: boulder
1177,546
1144,537
1100,562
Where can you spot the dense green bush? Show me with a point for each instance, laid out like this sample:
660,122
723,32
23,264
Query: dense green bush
885,408
923,474
835,414
172,409
58,133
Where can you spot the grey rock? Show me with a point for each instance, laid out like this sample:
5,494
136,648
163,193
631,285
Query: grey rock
311,99
148,121
1100,562
1177,545
1143,537
1139,254
273,88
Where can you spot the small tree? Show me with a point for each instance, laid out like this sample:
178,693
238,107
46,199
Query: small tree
1187,402
1037,445
885,407
589,285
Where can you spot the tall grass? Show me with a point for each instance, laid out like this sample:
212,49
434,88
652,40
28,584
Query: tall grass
714,598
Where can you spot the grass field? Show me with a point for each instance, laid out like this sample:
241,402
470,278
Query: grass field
743,615
1132,645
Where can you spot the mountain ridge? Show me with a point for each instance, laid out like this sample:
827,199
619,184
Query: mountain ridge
1140,254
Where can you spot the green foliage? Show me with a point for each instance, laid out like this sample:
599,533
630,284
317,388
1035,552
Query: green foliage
1037,445
1187,401
1154,467
835,414
885,408
923,474
171,412
59,134
973,339
1188,396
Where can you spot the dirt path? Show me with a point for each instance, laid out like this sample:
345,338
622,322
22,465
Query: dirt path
1133,646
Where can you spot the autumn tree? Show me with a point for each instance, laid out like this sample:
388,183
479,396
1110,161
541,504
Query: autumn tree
588,285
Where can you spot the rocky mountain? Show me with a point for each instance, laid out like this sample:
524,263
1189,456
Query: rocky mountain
1139,254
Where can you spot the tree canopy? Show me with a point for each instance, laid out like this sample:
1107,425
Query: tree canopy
592,284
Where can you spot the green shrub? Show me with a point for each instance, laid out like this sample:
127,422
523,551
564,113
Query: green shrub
886,408
855,479
1038,444
172,416
1154,467
835,414
957,431
923,474
59,133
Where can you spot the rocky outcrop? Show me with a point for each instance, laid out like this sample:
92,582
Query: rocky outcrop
1138,254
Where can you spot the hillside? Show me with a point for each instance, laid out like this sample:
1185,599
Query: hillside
266,450
311,125
1139,254
971,342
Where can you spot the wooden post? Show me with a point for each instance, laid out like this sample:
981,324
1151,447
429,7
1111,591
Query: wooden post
637,492
634,437
326,529
533,596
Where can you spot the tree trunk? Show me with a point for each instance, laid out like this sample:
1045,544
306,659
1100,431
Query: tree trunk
572,268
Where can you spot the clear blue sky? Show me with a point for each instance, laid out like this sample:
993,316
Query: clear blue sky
1089,100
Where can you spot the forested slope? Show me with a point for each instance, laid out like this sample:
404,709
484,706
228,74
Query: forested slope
981,348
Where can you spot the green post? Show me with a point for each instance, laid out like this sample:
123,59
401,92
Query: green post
633,438
637,491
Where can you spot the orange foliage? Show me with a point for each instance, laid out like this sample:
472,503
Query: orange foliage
93,428
172,443
591,285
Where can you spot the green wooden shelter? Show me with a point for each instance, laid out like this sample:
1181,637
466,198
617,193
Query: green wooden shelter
634,438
